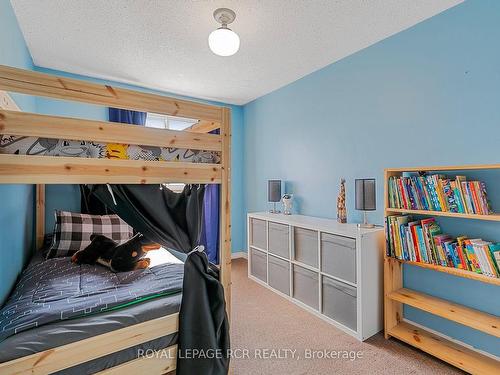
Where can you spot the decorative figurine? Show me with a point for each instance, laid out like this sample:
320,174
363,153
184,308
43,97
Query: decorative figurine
341,209
287,204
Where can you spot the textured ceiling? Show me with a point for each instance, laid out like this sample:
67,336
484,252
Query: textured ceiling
163,44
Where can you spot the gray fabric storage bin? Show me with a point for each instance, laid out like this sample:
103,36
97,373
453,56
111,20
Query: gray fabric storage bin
305,243
305,286
338,256
339,302
258,264
279,274
278,239
258,233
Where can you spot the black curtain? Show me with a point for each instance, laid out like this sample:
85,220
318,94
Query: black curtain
161,215
90,204
174,220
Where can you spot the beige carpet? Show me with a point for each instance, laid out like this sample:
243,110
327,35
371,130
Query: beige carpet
262,320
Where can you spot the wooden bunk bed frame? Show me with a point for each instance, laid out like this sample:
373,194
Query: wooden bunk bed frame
40,170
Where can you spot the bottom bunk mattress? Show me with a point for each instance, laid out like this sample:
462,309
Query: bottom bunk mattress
65,332
39,304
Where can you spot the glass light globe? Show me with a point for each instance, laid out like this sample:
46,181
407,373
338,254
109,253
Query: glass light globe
224,42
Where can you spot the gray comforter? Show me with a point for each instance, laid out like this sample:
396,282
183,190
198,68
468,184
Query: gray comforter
56,289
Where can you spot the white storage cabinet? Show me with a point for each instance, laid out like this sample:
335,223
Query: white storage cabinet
332,270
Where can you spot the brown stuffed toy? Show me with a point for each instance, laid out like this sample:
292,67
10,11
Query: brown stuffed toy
125,257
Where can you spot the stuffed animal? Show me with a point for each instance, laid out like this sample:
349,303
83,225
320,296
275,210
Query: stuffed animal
99,245
125,257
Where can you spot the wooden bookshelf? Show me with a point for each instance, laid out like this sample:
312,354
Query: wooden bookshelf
476,319
453,271
395,295
455,354
491,217
449,168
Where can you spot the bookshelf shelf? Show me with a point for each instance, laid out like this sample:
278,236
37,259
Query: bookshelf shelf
446,350
492,217
395,296
470,167
452,271
479,320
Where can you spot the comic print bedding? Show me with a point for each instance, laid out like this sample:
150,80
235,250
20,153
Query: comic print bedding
10,144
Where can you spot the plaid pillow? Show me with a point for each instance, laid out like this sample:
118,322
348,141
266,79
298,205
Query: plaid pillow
73,230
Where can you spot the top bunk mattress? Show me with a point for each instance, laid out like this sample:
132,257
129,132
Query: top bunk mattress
10,144
55,290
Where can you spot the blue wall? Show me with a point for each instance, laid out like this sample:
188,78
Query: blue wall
67,197
427,96
16,201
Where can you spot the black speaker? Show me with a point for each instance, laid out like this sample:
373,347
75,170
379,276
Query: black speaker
273,190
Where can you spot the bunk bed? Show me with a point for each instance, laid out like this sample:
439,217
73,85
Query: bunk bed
51,169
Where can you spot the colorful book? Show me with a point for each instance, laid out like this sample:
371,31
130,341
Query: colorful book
410,194
390,240
402,193
484,196
413,231
456,253
459,180
404,243
427,196
439,190
439,242
466,260
484,264
452,259
468,198
388,251
423,241
472,256
439,193
430,228
490,260
458,197
449,195
475,200
409,244
421,244
495,255
434,195
400,220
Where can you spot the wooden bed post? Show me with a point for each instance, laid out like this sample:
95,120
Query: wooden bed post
225,222
40,215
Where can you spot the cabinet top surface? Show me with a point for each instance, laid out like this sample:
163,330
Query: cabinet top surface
315,223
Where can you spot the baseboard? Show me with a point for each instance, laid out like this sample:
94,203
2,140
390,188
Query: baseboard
239,254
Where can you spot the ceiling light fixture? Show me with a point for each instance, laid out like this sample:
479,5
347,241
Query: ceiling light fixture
224,41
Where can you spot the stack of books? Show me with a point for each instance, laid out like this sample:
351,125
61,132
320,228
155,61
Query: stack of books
439,193
423,241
